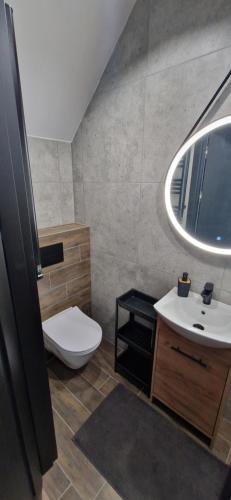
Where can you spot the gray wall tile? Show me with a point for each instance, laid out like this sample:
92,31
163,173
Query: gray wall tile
79,202
174,99
65,162
129,59
153,90
52,177
226,278
47,203
112,211
158,245
112,136
110,277
77,156
154,281
44,160
67,202
224,296
181,30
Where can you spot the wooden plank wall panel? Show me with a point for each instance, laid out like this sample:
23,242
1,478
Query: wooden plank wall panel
68,283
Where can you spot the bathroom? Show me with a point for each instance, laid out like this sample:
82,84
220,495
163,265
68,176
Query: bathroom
103,127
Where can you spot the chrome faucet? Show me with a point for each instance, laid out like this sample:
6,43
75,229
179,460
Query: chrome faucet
207,293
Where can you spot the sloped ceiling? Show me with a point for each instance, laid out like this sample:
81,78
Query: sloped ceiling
63,48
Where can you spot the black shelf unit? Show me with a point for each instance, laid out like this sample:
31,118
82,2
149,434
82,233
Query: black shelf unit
135,361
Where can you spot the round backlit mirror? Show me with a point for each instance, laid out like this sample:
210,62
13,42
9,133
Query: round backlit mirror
198,188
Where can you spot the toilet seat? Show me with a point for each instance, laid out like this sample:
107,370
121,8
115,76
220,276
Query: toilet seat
73,331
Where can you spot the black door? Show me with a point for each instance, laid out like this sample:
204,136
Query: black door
27,440
20,475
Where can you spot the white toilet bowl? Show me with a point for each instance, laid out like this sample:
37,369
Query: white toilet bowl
72,336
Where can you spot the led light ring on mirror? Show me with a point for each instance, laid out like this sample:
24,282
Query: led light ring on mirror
192,140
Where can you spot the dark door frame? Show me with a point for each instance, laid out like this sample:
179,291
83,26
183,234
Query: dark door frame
15,227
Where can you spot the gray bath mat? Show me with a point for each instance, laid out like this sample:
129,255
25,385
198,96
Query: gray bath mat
146,457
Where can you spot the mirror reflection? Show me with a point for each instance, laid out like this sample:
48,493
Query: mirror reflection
201,189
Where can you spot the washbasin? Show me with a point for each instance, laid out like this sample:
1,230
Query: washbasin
204,324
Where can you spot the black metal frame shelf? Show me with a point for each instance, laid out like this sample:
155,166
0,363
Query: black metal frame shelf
138,303
137,336
135,368
135,361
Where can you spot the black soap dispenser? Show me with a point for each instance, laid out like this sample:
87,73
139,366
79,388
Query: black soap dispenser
184,284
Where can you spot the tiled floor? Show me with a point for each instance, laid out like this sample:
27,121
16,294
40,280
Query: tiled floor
75,395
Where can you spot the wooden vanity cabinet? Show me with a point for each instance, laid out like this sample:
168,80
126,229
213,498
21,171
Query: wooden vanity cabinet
191,379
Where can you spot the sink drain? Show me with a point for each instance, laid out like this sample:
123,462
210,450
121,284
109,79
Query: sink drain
199,326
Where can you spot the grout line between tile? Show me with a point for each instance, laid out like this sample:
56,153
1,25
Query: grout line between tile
148,73
77,399
101,393
74,396
58,162
65,474
94,387
66,267
97,363
51,289
105,381
44,492
67,488
182,63
224,438
79,277
94,362
64,421
98,492
71,483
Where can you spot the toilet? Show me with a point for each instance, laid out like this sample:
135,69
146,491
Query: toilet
72,336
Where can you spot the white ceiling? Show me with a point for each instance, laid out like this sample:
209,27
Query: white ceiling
63,48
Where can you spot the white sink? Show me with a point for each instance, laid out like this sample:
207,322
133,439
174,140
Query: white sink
181,314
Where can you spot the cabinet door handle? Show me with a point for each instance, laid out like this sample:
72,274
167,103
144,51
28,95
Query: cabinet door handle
196,360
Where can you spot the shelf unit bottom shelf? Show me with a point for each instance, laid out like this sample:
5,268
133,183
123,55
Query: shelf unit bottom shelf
136,368
138,336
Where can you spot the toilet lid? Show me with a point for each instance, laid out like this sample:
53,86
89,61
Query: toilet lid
74,331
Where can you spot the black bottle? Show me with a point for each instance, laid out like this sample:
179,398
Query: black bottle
184,284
